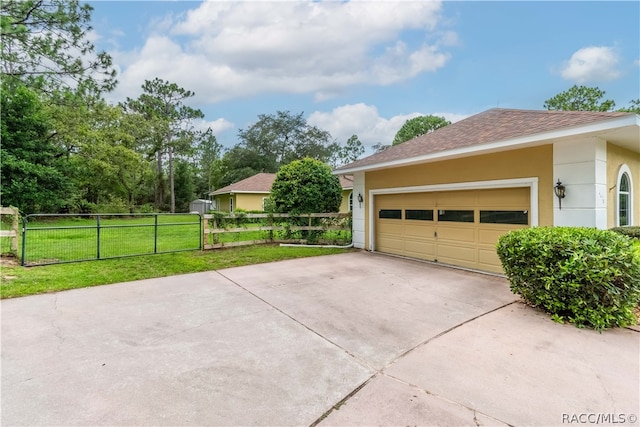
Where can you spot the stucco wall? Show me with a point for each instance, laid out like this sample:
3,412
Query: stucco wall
344,205
249,201
222,203
616,157
523,163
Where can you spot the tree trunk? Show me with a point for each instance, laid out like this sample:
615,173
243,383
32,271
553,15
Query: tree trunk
159,183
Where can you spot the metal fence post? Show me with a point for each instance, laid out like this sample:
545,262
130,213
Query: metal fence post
98,236
24,239
155,234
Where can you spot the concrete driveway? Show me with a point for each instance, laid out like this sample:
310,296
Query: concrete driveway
351,339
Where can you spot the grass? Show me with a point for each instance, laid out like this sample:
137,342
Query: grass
59,239
17,281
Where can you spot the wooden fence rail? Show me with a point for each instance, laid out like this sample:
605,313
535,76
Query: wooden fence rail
13,233
212,227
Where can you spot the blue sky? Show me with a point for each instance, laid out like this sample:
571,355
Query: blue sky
365,67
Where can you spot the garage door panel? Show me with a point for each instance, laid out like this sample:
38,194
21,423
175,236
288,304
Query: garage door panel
488,256
489,237
423,230
391,227
457,234
421,249
453,252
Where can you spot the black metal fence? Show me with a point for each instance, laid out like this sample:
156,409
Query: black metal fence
53,239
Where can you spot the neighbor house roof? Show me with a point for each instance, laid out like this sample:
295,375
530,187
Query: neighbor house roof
491,126
258,183
262,182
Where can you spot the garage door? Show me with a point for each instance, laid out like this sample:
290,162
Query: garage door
454,227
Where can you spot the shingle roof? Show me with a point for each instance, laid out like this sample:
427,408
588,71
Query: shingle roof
493,125
262,182
259,183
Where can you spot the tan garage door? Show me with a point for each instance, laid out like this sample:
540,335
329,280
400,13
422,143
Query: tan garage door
454,227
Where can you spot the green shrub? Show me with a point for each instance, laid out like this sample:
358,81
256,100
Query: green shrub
629,230
585,276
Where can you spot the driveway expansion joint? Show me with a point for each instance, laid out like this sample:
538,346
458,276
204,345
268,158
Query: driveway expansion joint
279,310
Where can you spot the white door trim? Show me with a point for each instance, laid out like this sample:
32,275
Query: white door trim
531,183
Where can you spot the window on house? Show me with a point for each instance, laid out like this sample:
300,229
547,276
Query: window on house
419,214
230,204
624,200
456,215
350,201
504,217
390,214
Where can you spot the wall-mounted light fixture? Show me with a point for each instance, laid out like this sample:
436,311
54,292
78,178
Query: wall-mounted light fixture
559,189
360,199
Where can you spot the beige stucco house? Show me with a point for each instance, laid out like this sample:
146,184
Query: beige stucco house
448,195
251,193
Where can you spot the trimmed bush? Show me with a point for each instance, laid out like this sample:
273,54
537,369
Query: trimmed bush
585,276
629,230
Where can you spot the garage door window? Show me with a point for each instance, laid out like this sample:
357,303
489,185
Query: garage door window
390,214
419,214
455,215
504,217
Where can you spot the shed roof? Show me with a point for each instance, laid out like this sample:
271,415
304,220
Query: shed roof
497,124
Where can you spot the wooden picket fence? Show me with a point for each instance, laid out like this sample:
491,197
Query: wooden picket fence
217,225
12,233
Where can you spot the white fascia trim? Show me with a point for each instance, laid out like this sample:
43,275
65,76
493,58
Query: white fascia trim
531,183
520,142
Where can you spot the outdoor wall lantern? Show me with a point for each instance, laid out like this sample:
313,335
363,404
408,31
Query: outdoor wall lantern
360,199
560,192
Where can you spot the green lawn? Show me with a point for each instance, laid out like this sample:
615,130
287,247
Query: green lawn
20,281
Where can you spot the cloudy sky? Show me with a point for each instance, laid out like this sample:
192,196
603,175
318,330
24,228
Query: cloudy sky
364,67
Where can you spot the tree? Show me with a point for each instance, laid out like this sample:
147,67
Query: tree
206,160
44,43
306,186
281,138
580,98
350,152
419,126
379,147
634,107
32,177
163,102
185,187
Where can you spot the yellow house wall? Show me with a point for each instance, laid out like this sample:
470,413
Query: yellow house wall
344,206
222,203
616,157
249,201
523,163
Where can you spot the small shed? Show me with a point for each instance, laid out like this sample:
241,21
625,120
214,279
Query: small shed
200,206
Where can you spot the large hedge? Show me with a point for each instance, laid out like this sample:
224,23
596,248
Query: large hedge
628,230
306,186
585,276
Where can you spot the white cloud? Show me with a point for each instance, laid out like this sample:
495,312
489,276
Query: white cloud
217,126
226,50
365,121
593,63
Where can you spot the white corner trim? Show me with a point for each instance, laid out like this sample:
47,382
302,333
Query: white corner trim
531,183
624,168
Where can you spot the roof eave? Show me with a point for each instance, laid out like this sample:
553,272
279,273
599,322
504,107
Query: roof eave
519,142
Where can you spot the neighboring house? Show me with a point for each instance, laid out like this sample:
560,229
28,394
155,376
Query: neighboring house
250,193
448,195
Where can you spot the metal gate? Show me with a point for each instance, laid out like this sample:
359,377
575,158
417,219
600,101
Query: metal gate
62,238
